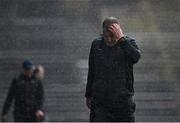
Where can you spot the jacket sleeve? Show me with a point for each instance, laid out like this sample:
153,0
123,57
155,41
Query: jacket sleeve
91,72
131,48
9,98
40,96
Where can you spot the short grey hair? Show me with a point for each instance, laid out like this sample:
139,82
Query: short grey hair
109,21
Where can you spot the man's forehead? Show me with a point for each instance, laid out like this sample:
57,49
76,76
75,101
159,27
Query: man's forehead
109,21
108,25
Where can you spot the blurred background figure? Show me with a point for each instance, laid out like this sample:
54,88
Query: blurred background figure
39,76
39,72
26,92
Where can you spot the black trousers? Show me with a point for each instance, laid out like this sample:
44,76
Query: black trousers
25,117
122,111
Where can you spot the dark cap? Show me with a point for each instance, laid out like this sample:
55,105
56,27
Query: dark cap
27,64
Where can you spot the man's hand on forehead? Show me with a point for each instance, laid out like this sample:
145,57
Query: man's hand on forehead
116,30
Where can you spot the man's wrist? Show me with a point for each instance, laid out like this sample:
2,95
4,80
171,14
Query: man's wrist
122,39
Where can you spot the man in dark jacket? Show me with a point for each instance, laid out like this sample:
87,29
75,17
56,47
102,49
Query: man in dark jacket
27,93
110,88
